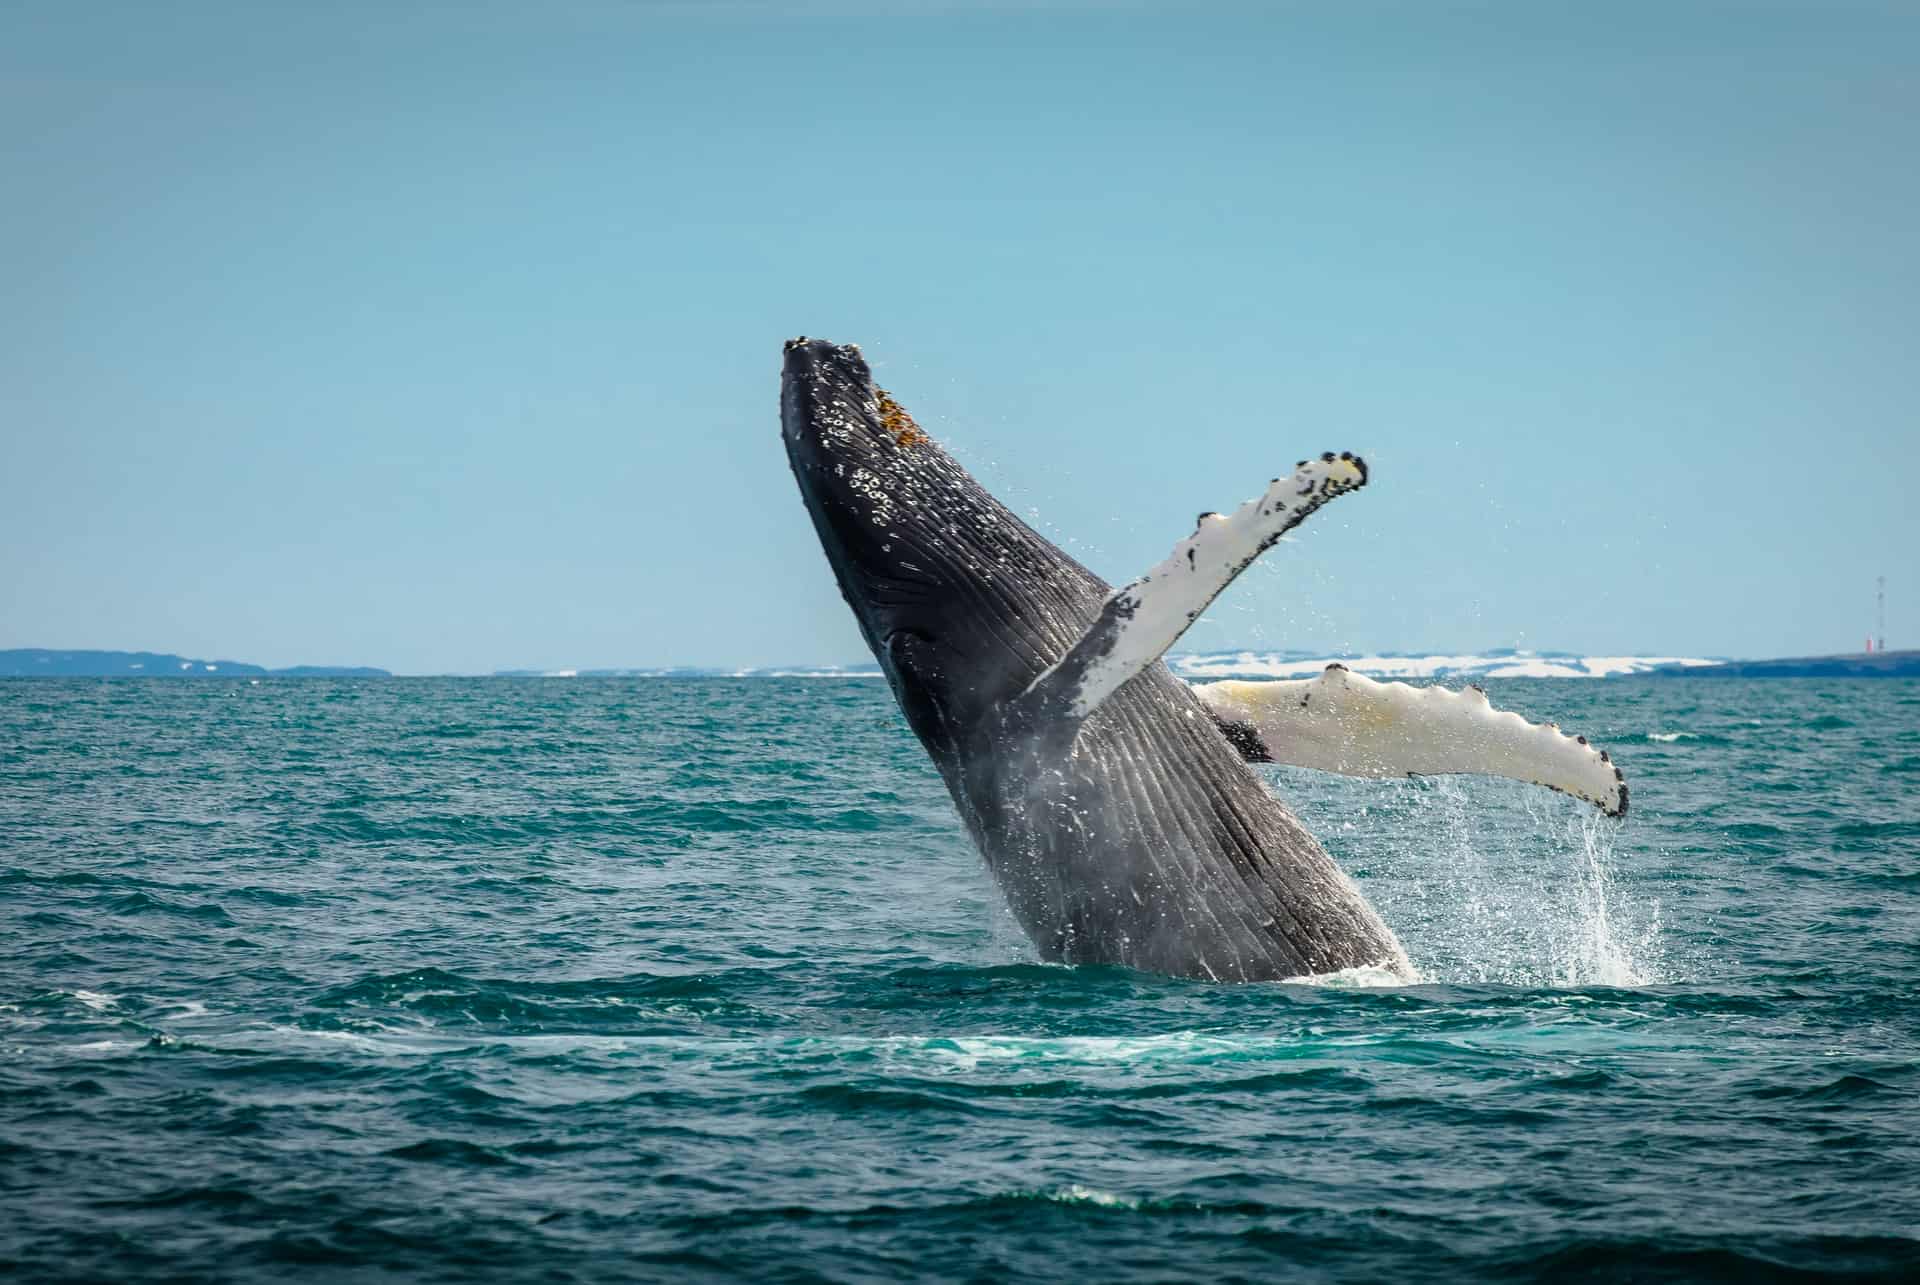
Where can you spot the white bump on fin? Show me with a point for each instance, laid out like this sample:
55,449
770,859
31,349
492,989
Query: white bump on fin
1348,723
1141,620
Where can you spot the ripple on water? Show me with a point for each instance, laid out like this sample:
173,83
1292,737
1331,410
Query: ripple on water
609,980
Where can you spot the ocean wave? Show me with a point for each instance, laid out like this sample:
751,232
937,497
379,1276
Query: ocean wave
703,979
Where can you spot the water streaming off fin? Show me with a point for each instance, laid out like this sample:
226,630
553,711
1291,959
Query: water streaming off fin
1489,881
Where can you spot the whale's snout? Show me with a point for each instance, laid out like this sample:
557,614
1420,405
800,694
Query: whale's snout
825,368
852,449
818,346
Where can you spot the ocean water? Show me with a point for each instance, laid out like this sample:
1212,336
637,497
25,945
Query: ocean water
656,979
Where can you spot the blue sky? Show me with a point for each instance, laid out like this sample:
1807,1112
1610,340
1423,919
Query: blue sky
446,336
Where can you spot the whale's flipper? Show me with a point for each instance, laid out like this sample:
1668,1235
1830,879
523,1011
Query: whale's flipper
1347,723
1141,620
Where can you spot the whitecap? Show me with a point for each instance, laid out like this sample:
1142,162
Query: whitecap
1075,1194
102,1046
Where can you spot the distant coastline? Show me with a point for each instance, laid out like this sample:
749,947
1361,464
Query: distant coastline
1500,663
1870,664
42,662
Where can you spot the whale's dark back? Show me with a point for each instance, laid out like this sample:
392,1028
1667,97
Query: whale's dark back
1140,838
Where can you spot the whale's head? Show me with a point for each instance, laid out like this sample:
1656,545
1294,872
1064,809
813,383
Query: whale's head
962,603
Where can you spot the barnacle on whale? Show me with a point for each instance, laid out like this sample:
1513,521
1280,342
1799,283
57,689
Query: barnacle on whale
899,424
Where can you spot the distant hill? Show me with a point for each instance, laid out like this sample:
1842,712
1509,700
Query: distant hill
40,662
1499,662
867,670
1207,666
1873,664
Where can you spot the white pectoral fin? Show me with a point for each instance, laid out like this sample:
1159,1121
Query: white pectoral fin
1347,723
1141,620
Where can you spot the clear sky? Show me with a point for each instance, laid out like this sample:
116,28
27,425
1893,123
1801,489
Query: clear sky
446,336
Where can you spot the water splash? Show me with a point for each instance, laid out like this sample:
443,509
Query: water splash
1491,882
1603,952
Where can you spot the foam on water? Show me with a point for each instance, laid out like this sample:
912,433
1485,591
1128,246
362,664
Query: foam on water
1188,1051
1079,1195
1361,978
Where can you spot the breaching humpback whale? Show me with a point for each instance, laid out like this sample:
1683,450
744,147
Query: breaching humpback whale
1112,803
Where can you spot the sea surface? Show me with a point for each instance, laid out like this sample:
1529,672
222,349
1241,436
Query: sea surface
631,979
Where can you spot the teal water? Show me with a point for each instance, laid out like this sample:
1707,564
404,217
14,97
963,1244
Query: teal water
657,979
